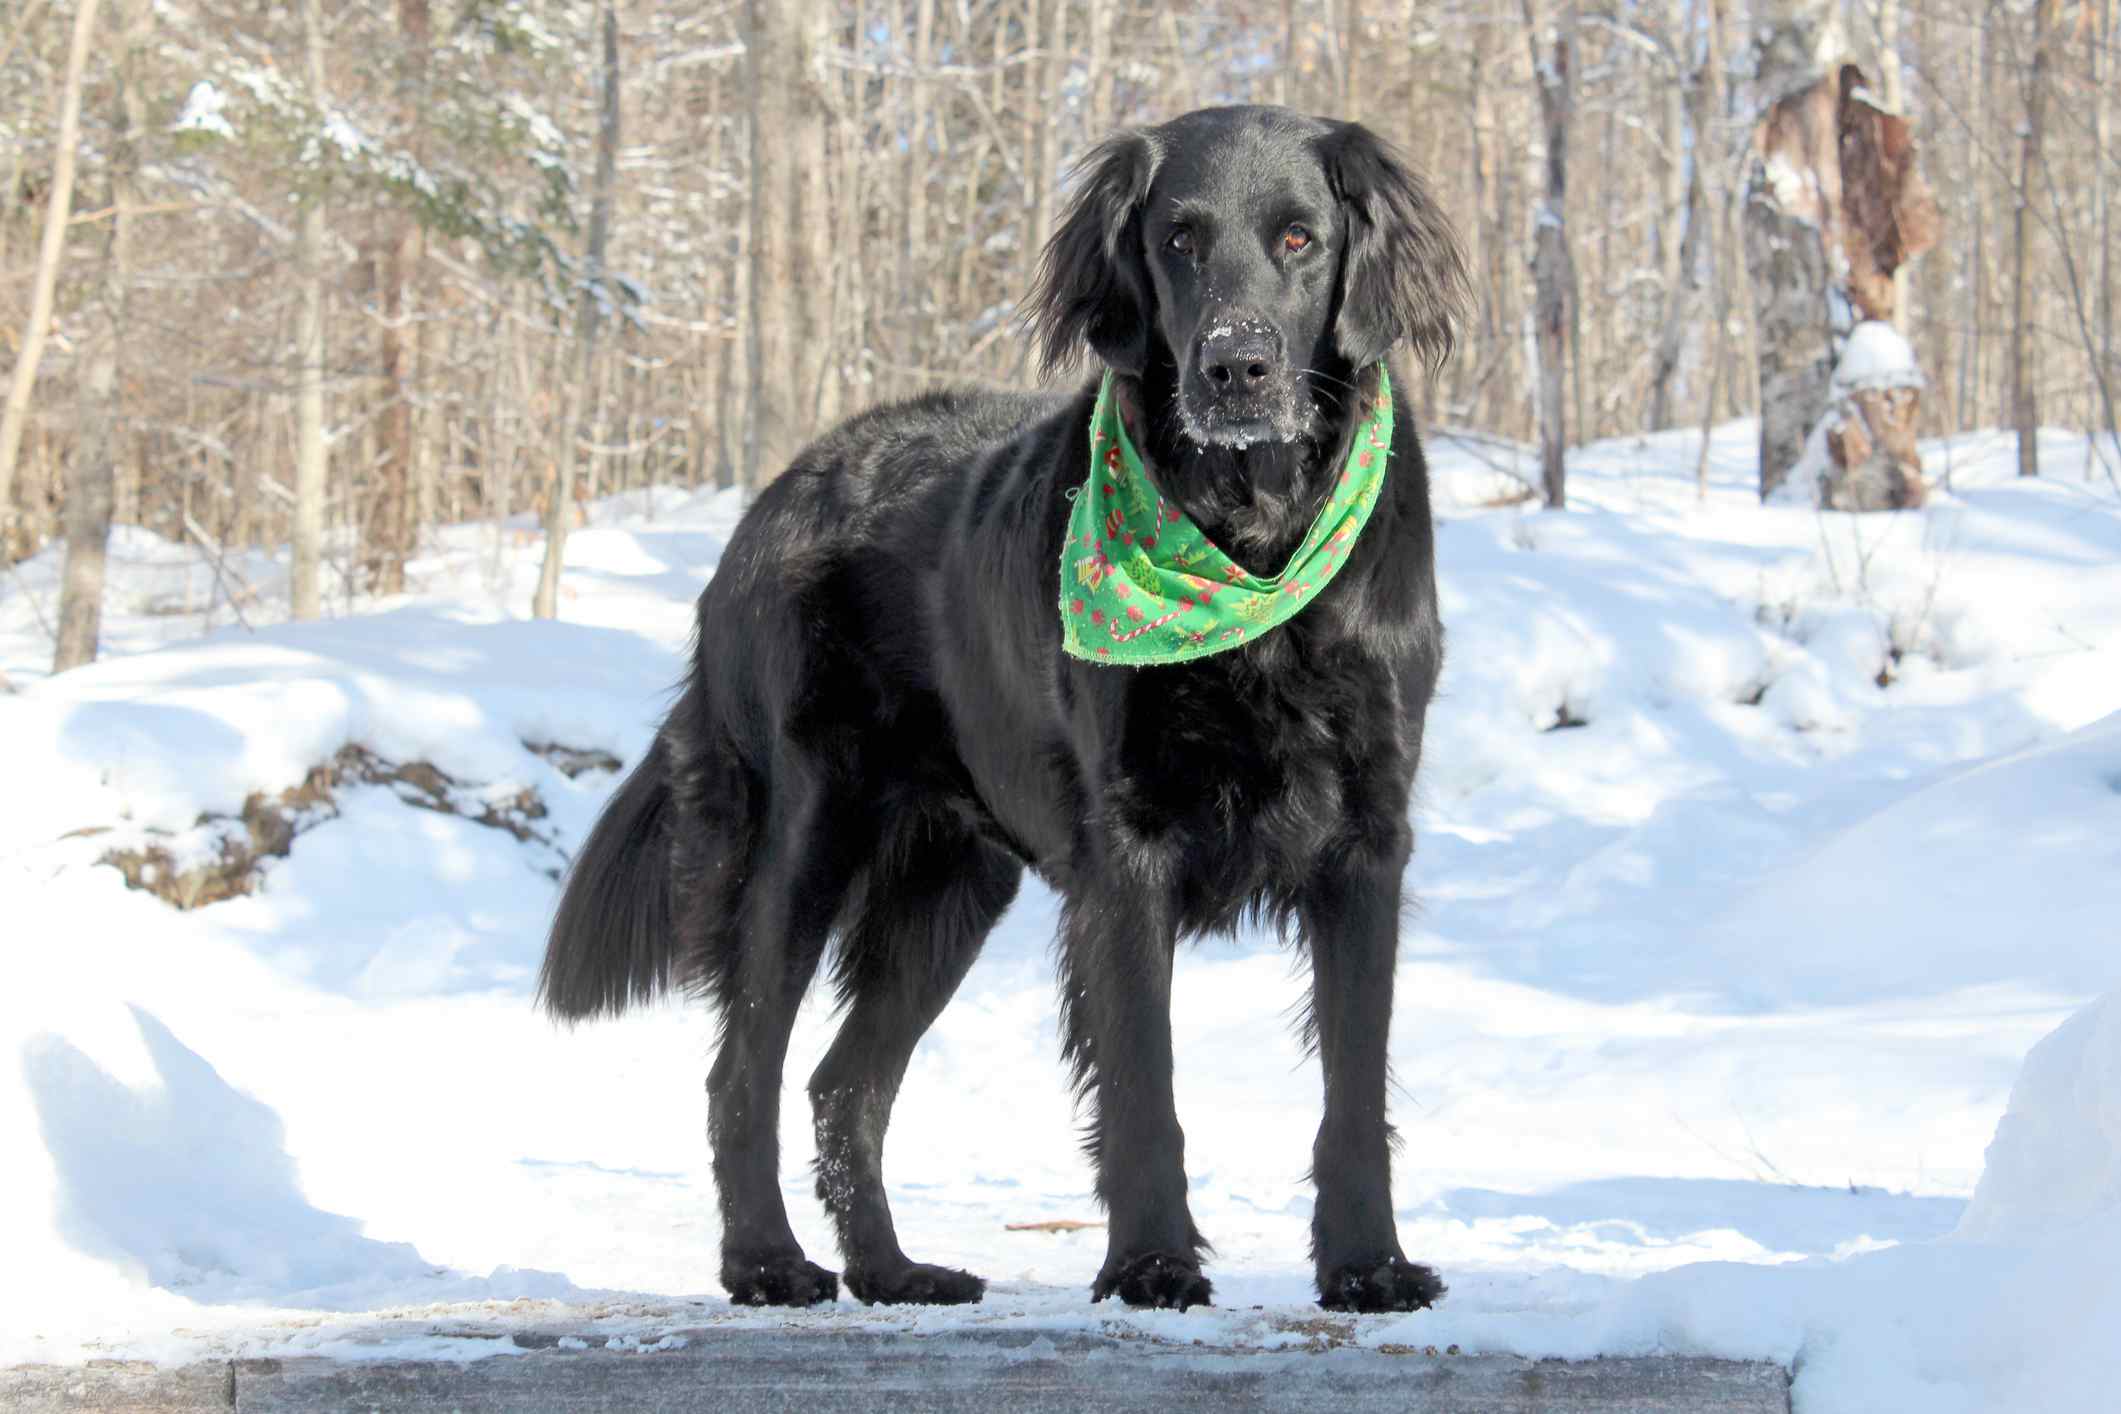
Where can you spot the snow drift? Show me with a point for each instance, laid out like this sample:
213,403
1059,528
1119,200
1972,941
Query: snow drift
1759,846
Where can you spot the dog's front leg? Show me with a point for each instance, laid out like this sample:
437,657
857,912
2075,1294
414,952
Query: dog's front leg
1351,926
1116,948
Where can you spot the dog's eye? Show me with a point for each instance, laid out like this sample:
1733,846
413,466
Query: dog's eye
1295,239
1180,240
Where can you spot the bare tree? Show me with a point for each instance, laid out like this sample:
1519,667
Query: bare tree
2102,196
1785,252
1724,259
2025,393
90,494
91,483
594,295
1553,265
921,265
2101,69
58,213
397,515
1688,111
305,579
776,93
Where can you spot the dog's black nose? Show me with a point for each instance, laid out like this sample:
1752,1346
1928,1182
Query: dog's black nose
1239,356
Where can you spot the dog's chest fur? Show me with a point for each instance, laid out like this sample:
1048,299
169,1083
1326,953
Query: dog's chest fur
1242,772
1239,777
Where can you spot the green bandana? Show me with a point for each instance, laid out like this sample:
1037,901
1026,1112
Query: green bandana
1141,584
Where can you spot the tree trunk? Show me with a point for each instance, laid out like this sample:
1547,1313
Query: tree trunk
1042,110
816,349
1285,75
1723,258
914,340
90,491
58,212
1099,117
777,413
2025,396
1677,213
1788,268
1686,128
2102,197
1463,387
397,519
709,432
1350,56
508,421
1785,213
423,437
730,419
1552,274
1837,206
1975,285
306,572
588,313
1888,24
92,476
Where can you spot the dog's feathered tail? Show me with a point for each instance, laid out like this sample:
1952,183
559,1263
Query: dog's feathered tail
613,942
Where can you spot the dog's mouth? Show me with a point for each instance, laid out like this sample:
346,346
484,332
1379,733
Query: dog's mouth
1283,412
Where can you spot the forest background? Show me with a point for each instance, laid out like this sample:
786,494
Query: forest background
329,275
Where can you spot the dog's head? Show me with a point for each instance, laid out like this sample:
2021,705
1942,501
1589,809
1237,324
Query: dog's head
1257,256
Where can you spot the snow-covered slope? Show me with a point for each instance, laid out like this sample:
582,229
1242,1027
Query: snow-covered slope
1758,846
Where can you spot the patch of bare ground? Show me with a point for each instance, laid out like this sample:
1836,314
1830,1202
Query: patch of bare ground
573,761
1318,1332
225,856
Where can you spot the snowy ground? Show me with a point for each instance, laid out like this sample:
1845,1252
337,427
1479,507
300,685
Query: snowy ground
1710,1009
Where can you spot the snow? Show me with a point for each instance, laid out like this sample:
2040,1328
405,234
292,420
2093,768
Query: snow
340,131
2055,1164
1875,355
1874,358
544,134
1713,1001
205,110
1796,188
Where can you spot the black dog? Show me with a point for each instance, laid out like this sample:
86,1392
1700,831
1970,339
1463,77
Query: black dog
880,730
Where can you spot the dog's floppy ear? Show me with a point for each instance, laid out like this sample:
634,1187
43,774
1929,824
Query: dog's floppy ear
1402,277
1091,284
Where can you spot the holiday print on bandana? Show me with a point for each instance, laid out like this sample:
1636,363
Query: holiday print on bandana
1142,584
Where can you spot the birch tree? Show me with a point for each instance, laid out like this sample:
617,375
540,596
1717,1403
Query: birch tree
305,576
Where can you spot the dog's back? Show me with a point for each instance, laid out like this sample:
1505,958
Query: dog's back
808,633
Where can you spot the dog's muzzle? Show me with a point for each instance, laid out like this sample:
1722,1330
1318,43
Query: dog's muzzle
1241,391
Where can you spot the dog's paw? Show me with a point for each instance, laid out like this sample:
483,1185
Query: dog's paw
1381,1284
915,1284
1164,1279
778,1281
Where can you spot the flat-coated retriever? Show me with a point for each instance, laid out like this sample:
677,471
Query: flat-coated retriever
883,727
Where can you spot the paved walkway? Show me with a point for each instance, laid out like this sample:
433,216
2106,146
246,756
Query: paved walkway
765,1370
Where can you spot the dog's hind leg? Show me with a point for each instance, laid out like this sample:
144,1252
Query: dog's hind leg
797,878
929,900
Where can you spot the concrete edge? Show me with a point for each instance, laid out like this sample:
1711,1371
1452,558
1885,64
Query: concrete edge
714,1368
